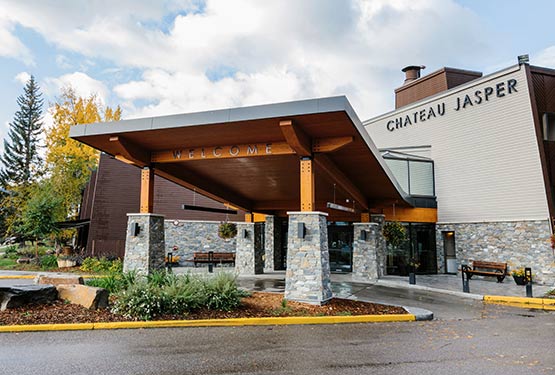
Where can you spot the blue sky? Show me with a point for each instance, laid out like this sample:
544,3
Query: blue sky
163,57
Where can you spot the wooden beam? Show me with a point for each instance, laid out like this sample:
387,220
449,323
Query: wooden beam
411,214
307,185
147,190
184,177
330,144
222,152
130,153
335,175
296,138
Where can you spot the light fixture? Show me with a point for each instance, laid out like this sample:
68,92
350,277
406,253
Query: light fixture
135,229
301,230
363,235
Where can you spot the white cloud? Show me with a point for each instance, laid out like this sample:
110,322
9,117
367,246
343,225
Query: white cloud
83,85
275,49
545,57
22,77
11,46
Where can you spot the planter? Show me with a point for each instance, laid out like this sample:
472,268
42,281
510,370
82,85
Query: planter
520,280
64,263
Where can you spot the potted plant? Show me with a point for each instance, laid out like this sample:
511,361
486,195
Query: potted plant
227,230
65,261
413,266
519,276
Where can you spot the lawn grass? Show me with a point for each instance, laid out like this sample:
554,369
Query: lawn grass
7,263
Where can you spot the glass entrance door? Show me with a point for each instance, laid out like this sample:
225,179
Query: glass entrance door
420,246
340,245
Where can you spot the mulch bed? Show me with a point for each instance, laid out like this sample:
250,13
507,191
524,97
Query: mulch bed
257,305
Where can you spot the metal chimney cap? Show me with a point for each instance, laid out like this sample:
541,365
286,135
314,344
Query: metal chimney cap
413,67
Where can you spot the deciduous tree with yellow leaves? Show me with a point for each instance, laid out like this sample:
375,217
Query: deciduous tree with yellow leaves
69,163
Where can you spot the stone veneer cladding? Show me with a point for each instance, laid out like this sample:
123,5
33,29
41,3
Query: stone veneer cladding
365,263
307,278
195,236
248,257
270,228
519,243
381,249
145,251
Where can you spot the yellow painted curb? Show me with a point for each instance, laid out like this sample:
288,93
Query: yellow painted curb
17,277
47,327
214,322
523,302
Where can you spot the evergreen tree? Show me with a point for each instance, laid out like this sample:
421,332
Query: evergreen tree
21,161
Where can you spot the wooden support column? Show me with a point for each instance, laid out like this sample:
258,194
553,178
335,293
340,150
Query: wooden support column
147,190
307,184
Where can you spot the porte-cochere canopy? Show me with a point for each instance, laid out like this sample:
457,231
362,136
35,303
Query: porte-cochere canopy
274,158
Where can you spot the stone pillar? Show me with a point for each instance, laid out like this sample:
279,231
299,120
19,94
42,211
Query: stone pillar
144,251
365,263
380,243
270,229
307,278
248,259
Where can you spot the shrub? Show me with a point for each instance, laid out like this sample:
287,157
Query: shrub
114,282
165,293
101,265
140,301
222,293
48,262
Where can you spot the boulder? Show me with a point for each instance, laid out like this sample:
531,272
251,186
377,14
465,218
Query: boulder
87,296
58,279
23,260
19,295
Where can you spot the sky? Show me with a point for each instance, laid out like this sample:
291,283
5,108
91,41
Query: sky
176,56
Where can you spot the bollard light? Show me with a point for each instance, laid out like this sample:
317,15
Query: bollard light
169,261
465,283
528,278
210,261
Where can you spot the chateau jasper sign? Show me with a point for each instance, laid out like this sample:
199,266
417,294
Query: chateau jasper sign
476,98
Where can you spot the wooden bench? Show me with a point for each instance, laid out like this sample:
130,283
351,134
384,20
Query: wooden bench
483,268
217,258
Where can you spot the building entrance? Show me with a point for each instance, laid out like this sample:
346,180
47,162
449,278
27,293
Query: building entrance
420,247
340,245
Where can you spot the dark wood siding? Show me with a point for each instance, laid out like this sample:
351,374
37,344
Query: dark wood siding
431,84
543,86
114,191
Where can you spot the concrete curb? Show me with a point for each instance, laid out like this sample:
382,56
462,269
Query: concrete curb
8,277
392,284
420,314
215,323
522,302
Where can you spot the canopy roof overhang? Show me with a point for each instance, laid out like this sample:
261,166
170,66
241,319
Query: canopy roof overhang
249,157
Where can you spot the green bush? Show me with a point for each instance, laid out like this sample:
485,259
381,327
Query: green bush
114,282
221,292
48,262
101,265
140,301
165,293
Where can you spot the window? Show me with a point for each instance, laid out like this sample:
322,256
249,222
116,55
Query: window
415,174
